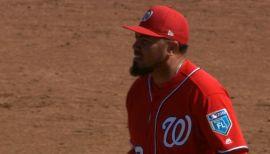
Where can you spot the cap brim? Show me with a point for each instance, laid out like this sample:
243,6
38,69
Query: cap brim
142,30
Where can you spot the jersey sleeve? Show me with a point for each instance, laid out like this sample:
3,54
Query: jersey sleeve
129,107
131,151
218,123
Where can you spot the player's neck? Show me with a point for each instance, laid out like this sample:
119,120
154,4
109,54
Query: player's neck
167,71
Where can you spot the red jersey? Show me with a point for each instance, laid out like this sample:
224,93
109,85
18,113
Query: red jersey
190,114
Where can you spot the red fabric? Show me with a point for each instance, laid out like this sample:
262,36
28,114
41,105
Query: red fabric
163,21
185,112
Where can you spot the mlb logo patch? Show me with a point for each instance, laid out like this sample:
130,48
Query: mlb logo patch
220,121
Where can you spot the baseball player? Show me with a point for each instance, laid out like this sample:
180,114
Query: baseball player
174,107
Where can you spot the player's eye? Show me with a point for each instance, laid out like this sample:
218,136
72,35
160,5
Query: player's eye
147,41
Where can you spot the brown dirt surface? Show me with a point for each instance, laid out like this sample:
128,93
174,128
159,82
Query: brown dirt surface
64,69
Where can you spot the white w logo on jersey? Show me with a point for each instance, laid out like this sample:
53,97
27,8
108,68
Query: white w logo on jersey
172,124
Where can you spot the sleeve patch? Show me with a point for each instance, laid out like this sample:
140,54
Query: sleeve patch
220,121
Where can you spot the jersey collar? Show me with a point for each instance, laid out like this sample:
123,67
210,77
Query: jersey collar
186,68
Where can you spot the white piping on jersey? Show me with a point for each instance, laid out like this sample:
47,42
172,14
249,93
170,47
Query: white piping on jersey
179,66
149,80
163,101
236,148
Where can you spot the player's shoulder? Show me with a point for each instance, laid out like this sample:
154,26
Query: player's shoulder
138,85
139,82
207,83
204,81
135,91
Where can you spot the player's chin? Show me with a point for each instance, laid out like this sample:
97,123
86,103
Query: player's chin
138,70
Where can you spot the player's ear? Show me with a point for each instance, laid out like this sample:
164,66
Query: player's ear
173,47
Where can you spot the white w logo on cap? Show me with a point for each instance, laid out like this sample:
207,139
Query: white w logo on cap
147,15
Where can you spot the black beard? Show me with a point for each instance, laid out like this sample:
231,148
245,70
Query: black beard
137,71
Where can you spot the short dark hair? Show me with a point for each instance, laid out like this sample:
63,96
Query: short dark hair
183,48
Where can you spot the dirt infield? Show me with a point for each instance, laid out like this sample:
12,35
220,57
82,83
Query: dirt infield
64,69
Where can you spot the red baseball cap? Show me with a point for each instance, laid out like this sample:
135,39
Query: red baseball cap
163,21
